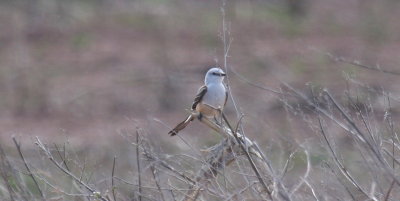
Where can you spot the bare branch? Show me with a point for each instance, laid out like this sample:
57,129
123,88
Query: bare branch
27,167
359,64
341,167
245,151
361,136
247,81
60,190
341,182
241,191
304,178
156,180
112,179
138,165
94,193
311,188
387,195
8,174
61,156
285,167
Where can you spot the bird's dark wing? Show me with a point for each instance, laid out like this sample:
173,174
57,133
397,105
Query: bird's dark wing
199,96
226,96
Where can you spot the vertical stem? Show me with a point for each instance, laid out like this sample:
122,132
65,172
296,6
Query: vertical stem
227,44
112,179
154,172
138,166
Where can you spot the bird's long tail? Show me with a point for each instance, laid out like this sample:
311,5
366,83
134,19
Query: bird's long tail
181,125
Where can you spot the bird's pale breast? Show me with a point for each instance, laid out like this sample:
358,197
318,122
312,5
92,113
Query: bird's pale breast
215,96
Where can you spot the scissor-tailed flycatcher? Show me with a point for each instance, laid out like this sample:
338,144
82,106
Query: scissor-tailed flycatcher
210,99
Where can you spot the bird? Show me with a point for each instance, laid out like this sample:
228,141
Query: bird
210,100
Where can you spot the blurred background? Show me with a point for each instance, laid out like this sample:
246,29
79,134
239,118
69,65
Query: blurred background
88,71
85,74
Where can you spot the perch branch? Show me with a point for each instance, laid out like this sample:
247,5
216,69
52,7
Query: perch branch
222,155
245,151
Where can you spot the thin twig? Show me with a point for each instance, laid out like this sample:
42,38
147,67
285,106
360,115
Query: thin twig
244,149
138,165
359,64
353,129
341,182
59,189
62,157
305,174
361,136
7,173
372,89
387,195
144,186
112,179
361,114
95,193
391,125
155,177
318,108
170,168
219,156
227,41
391,156
285,167
312,189
341,167
27,167
247,81
241,191
83,170
227,44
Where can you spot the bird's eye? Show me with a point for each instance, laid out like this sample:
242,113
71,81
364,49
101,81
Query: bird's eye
214,73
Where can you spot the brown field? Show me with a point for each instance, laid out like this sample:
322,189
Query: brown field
86,76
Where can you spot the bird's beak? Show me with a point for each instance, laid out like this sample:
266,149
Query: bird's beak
223,74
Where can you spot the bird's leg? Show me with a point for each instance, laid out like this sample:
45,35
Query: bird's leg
220,115
217,120
200,116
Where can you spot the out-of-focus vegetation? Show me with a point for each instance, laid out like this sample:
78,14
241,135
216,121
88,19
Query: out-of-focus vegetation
86,73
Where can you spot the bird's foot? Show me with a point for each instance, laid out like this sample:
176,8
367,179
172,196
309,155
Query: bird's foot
218,122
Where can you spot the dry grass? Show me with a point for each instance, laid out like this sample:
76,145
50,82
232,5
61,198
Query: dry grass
314,88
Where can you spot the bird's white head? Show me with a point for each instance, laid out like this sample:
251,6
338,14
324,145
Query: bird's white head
214,75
